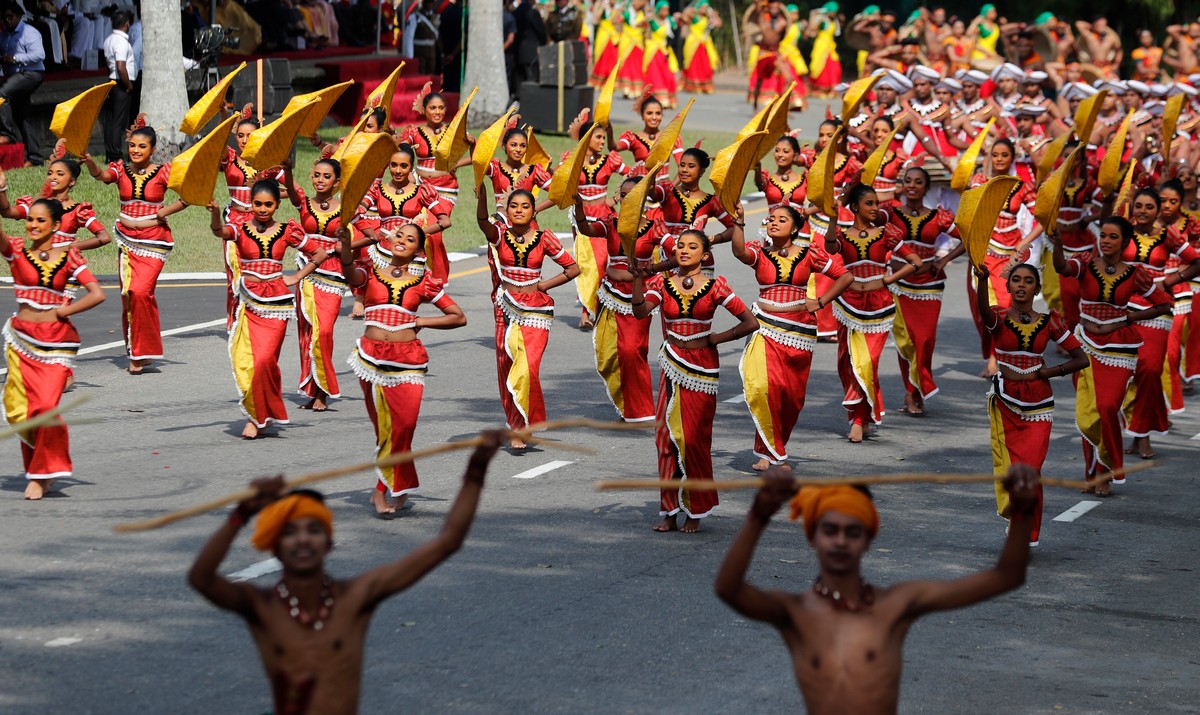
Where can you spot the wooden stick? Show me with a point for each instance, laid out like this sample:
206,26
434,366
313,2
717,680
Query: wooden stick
393,460
868,480
43,419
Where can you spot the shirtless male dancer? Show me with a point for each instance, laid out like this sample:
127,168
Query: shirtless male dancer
846,637
309,628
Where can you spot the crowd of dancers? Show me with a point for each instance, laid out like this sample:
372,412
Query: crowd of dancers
1116,273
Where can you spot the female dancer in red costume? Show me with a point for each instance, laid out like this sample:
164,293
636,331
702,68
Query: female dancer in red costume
526,310
1111,340
687,386
60,179
591,252
621,339
422,139
892,168
1008,244
1171,194
776,361
401,201
1021,403
865,311
143,240
685,205
1151,248
1080,207
513,173
40,341
846,171
919,296
650,109
265,303
239,175
389,359
319,295
786,186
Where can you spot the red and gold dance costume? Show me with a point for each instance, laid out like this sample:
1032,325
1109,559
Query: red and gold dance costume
239,176
1146,403
680,213
265,306
1076,237
423,139
919,299
687,389
319,298
621,339
827,324
39,355
141,254
1100,388
392,374
523,320
76,215
505,179
659,64
1006,236
636,145
387,209
591,253
1022,411
864,319
894,164
1190,366
605,51
778,192
1184,293
630,78
776,361
700,56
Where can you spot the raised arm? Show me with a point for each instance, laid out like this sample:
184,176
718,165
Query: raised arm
390,579
737,237
353,275
731,585
1009,572
982,300
106,175
289,183
203,576
482,217
218,226
592,229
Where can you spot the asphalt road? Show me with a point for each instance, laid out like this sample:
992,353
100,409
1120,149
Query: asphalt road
563,600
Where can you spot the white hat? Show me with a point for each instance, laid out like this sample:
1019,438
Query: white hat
1035,77
1028,110
841,87
928,73
976,77
893,79
1154,107
1077,90
1139,87
1007,69
1181,88
951,84
1114,86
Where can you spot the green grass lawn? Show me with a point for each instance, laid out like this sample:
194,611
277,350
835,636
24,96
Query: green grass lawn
196,250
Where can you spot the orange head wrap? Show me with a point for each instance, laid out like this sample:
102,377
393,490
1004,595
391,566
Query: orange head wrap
812,503
272,518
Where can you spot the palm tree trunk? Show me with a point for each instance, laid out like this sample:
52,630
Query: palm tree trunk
164,91
485,63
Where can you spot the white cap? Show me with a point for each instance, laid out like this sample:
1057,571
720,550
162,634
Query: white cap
1154,107
1114,86
1077,90
1139,87
928,73
1181,88
1035,77
841,87
976,77
1028,110
893,79
951,84
1007,69
1194,79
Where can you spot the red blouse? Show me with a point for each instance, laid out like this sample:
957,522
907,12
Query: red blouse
783,280
422,139
392,303
321,229
261,255
78,215
633,143
866,257
784,193
141,195
387,208
594,178
920,237
1106,299
44,285
687,316
505,179
1007,234
238,177
520,263
648,236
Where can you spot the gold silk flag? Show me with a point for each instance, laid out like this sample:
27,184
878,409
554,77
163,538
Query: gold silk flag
485,146
534,152
664,144
364,159
855,94
327,98
633,207
1050,191
977,212
604,101
452,143
775,125
1086,113
207,106
874,162
194,171
564,184
382,96
359,128
1170,120
730,167
73,119
268,146
820,177
961,179
1053,150
1110,165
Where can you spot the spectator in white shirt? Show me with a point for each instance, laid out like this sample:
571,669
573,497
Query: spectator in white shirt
124,70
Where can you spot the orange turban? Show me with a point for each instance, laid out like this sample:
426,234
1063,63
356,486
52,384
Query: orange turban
812,503
272,518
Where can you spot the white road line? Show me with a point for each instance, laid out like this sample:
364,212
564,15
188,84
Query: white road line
1077,511
60,642
735,400
539,471
1195,439
262,568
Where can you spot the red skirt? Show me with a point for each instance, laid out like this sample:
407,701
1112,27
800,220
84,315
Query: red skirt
1146,405
39,358
255,341
622,345
140,259
1099,393
915,332
775,366
1016,440
687,403
318,302
864,322
522,331
392,378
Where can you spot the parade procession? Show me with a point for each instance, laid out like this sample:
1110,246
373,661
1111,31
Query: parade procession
938,270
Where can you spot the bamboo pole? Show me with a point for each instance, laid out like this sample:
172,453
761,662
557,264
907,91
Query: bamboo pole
866,480
402,458
43,419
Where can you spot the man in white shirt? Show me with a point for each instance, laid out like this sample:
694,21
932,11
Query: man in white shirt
124,70
22,59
